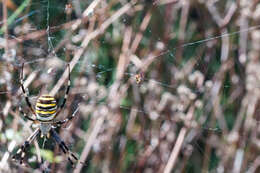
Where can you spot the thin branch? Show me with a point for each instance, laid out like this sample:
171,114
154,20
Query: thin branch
90,141
86,41
175,152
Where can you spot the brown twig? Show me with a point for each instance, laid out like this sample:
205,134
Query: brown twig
86,41
90,138
178,144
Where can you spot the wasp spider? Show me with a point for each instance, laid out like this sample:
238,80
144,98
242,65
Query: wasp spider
45,113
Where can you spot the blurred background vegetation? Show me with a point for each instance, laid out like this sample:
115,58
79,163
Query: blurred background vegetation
161,85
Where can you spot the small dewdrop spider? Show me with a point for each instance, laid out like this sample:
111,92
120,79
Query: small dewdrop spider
139,77
45,112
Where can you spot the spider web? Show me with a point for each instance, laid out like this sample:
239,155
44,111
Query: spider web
45,4
90,67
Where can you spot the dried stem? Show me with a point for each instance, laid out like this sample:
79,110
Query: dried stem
177,147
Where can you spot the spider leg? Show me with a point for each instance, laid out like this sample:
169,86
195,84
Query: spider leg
59,123
20,154
66,94
25,93
26,116
64,147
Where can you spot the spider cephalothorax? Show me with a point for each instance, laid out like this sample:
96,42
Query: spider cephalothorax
45,112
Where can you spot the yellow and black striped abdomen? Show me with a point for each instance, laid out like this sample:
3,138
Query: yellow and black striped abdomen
46,108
